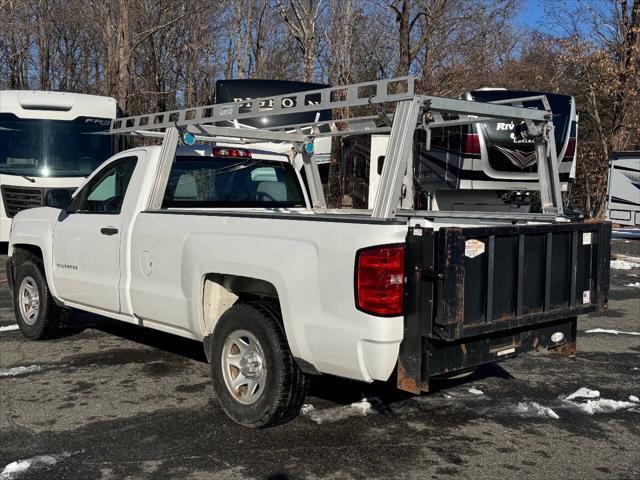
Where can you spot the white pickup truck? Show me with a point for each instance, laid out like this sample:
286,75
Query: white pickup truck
225,243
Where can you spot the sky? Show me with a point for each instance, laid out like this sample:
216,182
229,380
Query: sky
539,14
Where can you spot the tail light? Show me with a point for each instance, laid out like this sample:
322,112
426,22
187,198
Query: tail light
231,152
380,280
571,148
472,144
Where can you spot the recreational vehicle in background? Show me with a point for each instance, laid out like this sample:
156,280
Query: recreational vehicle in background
243,90
623,194
478,167
46,145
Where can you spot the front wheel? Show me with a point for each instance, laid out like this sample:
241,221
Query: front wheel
255,378
36,313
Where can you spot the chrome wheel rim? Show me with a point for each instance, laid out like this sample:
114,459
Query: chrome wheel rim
243,366
29,300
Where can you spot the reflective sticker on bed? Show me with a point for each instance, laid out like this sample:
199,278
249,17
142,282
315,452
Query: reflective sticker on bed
473,248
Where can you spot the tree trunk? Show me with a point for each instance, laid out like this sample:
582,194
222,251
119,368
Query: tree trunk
404,38
239,14
123,56
258,49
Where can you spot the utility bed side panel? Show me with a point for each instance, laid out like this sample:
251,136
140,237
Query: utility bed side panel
505,277
309,262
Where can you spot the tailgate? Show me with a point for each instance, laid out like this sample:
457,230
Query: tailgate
482,286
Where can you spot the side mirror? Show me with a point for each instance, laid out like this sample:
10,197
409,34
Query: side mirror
58,198
74,205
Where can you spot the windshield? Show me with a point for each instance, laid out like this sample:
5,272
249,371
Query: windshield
55,148
209,182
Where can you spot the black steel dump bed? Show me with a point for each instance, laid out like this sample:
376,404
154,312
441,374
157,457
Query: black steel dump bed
477,295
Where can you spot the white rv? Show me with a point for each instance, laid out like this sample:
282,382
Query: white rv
481,167
623,195
45,145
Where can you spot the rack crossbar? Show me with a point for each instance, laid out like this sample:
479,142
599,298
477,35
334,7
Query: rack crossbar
494,111
376,92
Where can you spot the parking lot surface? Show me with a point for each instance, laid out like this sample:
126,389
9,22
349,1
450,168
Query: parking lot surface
113,401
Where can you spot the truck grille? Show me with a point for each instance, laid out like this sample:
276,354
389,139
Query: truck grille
20,198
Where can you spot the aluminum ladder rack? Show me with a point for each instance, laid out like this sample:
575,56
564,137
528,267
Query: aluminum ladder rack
397,110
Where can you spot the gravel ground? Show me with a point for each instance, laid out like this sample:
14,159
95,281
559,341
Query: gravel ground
111,401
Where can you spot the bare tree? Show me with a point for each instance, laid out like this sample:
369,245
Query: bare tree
258,39
158,54
604,64
301,17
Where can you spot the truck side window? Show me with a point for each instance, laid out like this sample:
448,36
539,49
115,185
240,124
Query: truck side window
105,193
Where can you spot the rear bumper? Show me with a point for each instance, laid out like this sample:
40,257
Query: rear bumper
559,336
438,357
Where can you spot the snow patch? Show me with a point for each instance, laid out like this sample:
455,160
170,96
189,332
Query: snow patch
362,407
602,405
594,403
15,469
476,391
621,265
628,264
15,371
330,415
527,409
534,409
8,328
636,285
634,399
583,393
612,332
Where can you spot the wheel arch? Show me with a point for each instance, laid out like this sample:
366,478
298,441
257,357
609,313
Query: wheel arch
19,254
23,251
220,291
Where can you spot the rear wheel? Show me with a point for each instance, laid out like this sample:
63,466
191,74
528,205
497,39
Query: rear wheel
255,377
36,313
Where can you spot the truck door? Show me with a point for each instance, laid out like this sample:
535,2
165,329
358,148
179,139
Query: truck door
86,243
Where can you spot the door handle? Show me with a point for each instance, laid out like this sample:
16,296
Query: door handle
108,231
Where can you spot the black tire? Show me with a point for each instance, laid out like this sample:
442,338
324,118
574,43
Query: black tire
285,385
47,321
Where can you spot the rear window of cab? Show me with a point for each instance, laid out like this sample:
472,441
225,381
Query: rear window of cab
238,182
